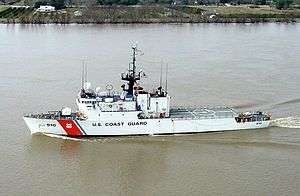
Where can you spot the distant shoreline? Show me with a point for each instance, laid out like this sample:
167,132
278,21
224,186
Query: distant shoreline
151,14
170,22
219,21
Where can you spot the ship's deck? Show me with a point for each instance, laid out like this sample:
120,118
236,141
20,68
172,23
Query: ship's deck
202,113
51,115
178,113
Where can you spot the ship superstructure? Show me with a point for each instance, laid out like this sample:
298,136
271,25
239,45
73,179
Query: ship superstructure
135,111
133,99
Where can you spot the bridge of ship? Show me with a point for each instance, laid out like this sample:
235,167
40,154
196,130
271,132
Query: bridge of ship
202,113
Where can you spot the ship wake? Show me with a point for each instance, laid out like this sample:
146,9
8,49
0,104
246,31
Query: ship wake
62,137
288,122
90,139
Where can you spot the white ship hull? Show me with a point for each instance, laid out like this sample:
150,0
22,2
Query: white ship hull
136,111
80,128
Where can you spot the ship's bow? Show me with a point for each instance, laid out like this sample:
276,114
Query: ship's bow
32,124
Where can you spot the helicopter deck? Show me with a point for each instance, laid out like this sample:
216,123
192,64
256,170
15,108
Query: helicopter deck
203,113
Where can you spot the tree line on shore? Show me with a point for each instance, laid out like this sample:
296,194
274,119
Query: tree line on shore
60,4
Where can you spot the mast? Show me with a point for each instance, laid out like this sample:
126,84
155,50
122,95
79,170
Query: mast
133,60
131,75
82,75
166,88
160,79
86,74
82,91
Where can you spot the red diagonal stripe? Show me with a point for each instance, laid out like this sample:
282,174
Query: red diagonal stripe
70,127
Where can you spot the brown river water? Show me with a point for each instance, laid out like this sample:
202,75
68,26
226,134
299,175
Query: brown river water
245,66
